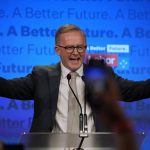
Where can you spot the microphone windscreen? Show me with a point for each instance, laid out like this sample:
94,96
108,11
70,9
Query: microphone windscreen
83,78
69,76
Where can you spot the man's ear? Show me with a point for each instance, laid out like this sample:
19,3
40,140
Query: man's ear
58,51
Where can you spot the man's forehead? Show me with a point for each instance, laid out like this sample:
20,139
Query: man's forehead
72,35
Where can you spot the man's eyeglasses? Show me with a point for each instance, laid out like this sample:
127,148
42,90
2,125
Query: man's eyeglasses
70,49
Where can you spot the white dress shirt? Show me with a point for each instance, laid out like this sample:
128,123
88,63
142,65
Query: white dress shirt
62,105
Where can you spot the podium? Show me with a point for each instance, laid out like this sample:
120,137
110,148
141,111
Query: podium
62,141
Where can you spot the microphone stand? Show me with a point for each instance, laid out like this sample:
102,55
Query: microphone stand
83,133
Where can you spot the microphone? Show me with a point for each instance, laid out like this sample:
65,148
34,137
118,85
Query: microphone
83,78
69,77
81,116
85,115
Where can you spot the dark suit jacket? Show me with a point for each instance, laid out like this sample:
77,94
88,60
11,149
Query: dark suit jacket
42,85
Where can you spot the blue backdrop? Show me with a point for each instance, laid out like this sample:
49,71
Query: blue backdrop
27,31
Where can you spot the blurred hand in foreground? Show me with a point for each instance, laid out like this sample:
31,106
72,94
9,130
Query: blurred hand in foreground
103,96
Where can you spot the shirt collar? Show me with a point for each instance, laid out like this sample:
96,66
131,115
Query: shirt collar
65,71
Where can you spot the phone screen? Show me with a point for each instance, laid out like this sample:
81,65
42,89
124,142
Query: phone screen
96,79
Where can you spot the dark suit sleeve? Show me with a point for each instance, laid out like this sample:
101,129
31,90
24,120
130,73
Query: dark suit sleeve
17,88
132,90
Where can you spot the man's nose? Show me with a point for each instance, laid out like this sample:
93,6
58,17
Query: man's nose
75,51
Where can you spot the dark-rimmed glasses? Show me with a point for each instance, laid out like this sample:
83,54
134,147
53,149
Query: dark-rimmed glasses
70,49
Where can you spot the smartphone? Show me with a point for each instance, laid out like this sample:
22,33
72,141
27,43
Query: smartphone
96,79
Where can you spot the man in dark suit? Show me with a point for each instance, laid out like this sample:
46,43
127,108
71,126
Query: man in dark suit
48,85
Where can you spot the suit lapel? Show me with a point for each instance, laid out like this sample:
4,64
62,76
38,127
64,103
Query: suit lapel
54,81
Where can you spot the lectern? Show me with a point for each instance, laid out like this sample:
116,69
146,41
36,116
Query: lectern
62,141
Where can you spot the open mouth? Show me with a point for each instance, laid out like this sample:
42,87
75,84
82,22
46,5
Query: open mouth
74,59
